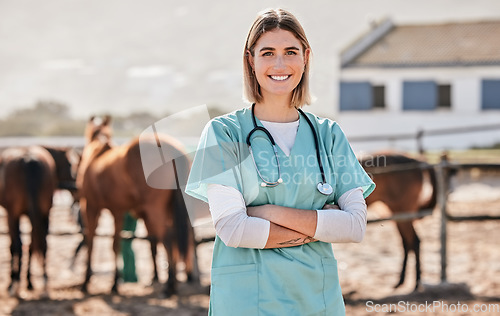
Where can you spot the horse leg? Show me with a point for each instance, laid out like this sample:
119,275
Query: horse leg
92,218
191,260
45,223
75,210
16,252
153,232
116,249
44,226
75,254
171,285
403,268
411,242
416,250
153,241
28,272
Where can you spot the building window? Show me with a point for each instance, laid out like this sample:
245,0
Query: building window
490,94
444,96
361,96
419,95
379,97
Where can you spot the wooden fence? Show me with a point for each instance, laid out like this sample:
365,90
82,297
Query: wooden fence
444,171
420,134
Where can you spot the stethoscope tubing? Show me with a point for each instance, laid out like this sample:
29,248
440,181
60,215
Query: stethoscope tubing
271,139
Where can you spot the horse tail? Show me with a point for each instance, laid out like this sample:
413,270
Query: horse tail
34,177
181,224
181,218
431,203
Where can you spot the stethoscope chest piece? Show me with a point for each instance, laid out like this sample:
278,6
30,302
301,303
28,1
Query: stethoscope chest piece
325,188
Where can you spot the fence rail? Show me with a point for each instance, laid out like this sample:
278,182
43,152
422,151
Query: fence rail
421,133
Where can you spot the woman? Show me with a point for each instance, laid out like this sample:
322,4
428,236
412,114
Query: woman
275,208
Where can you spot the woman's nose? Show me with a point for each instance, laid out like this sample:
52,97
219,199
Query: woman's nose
279,63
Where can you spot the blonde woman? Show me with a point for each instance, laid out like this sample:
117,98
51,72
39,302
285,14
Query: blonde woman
281,184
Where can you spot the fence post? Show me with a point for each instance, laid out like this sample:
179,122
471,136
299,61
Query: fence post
443,181
420,143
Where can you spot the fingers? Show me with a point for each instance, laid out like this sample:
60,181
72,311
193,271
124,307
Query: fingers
331,207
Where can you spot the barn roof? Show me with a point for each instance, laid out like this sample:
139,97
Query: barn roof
431,45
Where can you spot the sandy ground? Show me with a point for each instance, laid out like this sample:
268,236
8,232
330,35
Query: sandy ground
368,271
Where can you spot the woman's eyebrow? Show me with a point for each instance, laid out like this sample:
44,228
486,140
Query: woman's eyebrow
266,48
272,48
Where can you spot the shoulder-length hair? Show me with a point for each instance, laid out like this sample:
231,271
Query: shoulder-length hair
266,21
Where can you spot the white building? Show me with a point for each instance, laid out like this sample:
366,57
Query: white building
402,79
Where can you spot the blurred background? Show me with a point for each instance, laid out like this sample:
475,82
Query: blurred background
62,61
422,77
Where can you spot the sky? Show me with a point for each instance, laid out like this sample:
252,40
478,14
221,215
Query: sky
161,56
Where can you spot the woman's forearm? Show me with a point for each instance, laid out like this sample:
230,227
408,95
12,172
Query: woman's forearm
281,237
331,224
301,221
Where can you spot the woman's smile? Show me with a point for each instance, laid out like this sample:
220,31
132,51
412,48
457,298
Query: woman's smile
280,78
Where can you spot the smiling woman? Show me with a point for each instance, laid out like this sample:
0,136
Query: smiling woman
276,213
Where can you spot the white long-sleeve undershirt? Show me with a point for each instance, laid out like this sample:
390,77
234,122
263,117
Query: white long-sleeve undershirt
232,224
345,225
236,229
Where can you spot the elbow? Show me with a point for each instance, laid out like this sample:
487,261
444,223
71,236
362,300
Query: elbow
226,235
227,239
230,243
358,237
358,234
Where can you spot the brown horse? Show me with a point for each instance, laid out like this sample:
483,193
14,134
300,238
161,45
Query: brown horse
400,181
66,160
112,178
27,182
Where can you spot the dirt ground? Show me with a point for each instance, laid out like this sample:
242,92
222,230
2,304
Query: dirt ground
368,271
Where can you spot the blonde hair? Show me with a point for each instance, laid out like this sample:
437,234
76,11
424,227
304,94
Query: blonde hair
266,21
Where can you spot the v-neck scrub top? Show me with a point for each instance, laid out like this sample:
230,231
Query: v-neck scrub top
300,280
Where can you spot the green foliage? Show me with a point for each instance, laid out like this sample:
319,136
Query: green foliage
53,118
43,119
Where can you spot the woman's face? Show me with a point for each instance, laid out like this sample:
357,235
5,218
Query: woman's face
278,63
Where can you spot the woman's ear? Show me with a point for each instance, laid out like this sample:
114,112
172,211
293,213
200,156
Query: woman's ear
250,59
307,54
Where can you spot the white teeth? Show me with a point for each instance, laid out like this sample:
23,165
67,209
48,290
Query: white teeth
279,78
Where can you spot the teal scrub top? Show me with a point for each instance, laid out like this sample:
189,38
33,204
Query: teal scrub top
300,280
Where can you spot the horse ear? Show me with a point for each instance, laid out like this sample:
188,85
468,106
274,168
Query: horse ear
92,118
106,120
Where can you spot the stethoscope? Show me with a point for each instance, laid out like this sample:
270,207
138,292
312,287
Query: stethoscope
323,187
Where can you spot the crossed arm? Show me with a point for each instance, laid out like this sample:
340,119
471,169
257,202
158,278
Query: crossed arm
289,226
272,226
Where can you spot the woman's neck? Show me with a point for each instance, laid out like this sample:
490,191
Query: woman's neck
276,111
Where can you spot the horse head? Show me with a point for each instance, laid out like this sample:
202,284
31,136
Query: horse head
98,128
97,134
